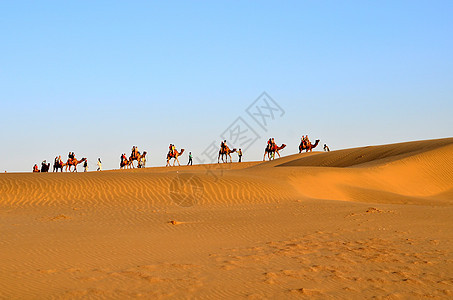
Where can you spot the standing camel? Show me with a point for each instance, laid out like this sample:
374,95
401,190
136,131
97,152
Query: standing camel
136,157
59,165
74,162
308,146
175,156
125,164
271,152
227,152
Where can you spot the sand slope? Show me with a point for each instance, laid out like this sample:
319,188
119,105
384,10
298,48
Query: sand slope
251,230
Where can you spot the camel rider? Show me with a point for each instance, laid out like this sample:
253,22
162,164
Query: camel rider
223,146
173,150
274,146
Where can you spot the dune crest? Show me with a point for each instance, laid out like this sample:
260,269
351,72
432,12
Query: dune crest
301,226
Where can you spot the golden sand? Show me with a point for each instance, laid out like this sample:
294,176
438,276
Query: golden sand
355,223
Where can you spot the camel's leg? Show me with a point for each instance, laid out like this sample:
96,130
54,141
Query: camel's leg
278,154
264,157
177,160
231,160
218,158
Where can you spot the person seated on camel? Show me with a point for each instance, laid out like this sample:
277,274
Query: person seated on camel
70,156
302,142
307,141
223,146
171,150
269,144
273,145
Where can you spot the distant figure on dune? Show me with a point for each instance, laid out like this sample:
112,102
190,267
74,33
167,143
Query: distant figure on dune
271,149
225,150
99,165
35,169
85,166
240,154
326,148
190,159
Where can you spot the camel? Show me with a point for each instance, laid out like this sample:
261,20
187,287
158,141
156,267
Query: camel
137,157
175,156
74,162
227,152
125,164
308,147
45,168
271,152
59,165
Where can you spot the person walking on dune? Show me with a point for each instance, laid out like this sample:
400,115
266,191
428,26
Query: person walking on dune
190,159
99,165
85,166
326,148
240,154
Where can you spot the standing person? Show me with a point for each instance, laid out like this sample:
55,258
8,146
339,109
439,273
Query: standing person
35,168
85,166
240,154
99,165
190,159
326,148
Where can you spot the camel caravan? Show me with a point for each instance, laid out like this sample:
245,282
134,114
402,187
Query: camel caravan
271,150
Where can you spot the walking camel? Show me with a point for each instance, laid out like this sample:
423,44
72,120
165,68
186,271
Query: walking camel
271,152
227,152
175,156
74,162
137,157
308,146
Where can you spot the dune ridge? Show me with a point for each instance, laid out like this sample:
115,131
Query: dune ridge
312,226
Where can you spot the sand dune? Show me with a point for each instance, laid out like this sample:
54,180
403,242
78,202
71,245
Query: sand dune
354,223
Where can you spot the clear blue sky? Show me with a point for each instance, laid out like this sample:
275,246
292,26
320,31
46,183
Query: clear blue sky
96,77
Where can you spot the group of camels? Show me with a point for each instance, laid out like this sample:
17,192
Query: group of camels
224,153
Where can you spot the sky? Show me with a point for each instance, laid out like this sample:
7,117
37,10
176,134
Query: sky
98,77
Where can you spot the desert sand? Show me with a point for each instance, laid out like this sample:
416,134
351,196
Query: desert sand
370,222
